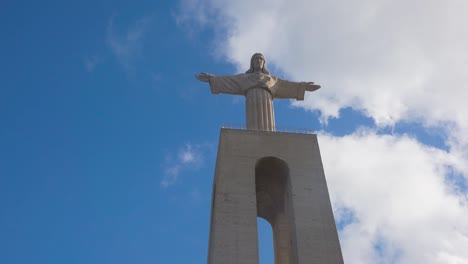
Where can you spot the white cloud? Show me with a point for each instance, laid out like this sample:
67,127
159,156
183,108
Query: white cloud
171,174
126,44
394,61
187,155
403,208
190,157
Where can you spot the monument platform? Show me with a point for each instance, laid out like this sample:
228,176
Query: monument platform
279,177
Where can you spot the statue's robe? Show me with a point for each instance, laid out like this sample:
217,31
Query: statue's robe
259,90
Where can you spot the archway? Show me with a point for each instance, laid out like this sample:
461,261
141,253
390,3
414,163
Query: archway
273,189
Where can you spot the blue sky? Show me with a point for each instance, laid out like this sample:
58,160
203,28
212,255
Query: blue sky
108,142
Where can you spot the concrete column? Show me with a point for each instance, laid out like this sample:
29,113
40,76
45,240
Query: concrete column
279,177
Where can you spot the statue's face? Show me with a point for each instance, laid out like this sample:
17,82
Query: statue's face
258,63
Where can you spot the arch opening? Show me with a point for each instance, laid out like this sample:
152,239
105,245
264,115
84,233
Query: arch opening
273,197
271,178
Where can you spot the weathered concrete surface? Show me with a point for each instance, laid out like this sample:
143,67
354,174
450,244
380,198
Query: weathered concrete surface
279,177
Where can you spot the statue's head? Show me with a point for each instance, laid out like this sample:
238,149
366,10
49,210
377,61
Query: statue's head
257,63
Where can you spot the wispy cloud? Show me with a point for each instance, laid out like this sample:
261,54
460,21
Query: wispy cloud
90,62
126,43
195,196
192,14
156,77
190,157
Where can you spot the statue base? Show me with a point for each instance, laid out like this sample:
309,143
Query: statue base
279,177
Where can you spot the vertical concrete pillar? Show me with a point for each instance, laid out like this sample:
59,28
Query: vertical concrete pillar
279,177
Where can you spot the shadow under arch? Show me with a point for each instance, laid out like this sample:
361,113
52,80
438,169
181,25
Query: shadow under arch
274,204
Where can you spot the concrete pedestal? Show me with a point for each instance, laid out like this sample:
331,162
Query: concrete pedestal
279,177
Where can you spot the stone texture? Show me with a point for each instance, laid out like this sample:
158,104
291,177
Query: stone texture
279,177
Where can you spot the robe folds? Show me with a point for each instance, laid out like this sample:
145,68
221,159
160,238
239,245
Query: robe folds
259,90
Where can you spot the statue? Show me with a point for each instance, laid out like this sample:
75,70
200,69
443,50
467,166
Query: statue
259,89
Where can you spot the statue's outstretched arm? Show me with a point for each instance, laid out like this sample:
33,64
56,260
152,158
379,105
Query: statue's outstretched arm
293,90
204,77
310,86
223,84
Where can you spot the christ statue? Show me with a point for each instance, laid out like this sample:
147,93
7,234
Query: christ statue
259,89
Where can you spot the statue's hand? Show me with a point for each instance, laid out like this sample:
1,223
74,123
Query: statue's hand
310,86
204,77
